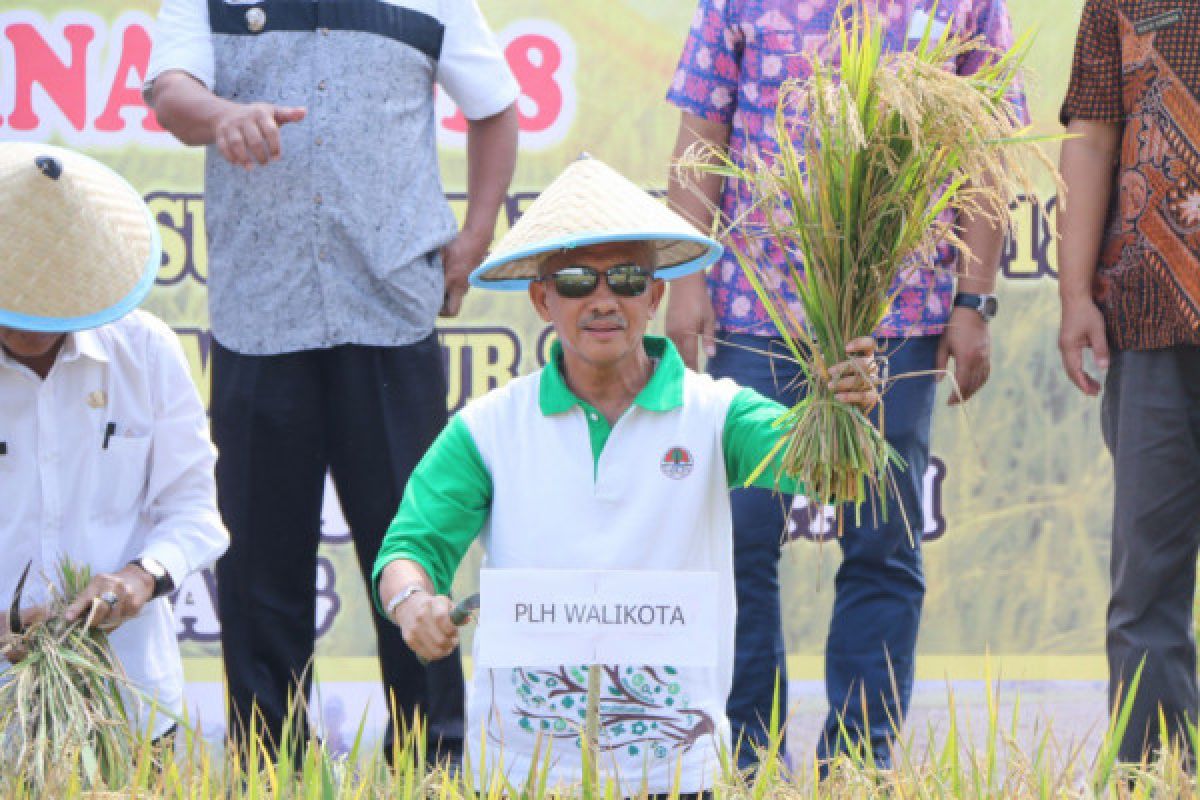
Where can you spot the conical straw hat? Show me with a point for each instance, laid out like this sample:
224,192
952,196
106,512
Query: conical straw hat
78,246
591,203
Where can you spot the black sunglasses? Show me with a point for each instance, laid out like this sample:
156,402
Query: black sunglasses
625,280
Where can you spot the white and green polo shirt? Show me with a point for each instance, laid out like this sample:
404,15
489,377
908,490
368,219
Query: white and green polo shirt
547,483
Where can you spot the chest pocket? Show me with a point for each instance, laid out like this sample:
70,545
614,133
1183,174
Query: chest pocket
120,476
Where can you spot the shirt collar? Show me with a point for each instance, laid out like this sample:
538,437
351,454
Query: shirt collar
663,392
83,343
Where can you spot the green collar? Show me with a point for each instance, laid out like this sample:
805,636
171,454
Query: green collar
663,392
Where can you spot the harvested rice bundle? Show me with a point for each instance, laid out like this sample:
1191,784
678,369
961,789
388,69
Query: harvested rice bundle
60,704
872,155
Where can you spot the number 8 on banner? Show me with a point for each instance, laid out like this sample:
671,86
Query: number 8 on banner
542,57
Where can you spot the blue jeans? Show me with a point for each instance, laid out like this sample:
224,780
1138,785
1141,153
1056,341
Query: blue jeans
879,587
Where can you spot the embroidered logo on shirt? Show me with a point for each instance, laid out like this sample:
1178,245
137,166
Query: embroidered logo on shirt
677,463
1158,22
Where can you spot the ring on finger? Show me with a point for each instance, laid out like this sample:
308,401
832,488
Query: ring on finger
881,365
110,598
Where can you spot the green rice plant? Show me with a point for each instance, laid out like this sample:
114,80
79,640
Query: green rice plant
950,763
201,773
877,156
62,704
1106,760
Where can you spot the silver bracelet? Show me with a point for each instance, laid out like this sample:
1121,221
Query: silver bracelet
399,598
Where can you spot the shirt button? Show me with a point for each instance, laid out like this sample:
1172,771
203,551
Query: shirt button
320,140
321,86
324,31
256,20
323,254
317,199
593,417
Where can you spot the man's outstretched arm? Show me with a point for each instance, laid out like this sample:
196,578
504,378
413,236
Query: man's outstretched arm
245,133
446,503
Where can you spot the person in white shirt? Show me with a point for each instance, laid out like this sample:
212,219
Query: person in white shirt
105,456
614,456
331,252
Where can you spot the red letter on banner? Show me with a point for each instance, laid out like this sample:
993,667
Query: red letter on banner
533,58
535,74
456,122
135,56
37,63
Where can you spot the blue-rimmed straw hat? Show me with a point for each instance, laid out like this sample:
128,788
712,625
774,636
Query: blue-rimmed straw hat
591,203
78,246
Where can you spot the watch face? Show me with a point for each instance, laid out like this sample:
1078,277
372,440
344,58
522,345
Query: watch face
986,304
156,570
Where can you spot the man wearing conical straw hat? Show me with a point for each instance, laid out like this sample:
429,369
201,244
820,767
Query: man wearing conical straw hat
104,451
614,456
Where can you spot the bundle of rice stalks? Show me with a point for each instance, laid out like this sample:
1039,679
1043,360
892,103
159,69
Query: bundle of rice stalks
876,157
61,703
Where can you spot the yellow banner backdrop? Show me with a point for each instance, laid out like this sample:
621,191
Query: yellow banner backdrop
1019,492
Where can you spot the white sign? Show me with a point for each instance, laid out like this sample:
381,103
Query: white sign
544,618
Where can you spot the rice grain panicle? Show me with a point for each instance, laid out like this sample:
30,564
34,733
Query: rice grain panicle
876,156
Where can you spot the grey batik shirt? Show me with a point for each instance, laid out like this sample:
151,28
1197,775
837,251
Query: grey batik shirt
337,242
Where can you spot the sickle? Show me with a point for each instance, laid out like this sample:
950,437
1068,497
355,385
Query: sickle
459,615
462,612
14,611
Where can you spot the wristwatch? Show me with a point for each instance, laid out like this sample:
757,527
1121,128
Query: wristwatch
163,585
986,304
399,598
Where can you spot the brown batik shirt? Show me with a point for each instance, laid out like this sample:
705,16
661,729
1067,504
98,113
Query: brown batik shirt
1137,62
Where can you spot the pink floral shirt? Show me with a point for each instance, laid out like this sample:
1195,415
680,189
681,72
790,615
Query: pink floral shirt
737,55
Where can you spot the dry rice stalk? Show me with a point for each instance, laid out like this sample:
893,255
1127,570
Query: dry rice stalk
61,704
875,160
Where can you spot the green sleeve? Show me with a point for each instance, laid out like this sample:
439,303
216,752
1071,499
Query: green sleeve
446,504
749,437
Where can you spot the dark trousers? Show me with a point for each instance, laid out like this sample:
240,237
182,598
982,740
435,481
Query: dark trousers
1151,420
879,587
366,414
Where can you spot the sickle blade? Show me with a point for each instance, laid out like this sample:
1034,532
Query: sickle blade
14,611
462,612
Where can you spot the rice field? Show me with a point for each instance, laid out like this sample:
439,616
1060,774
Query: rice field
1022,569
952,760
